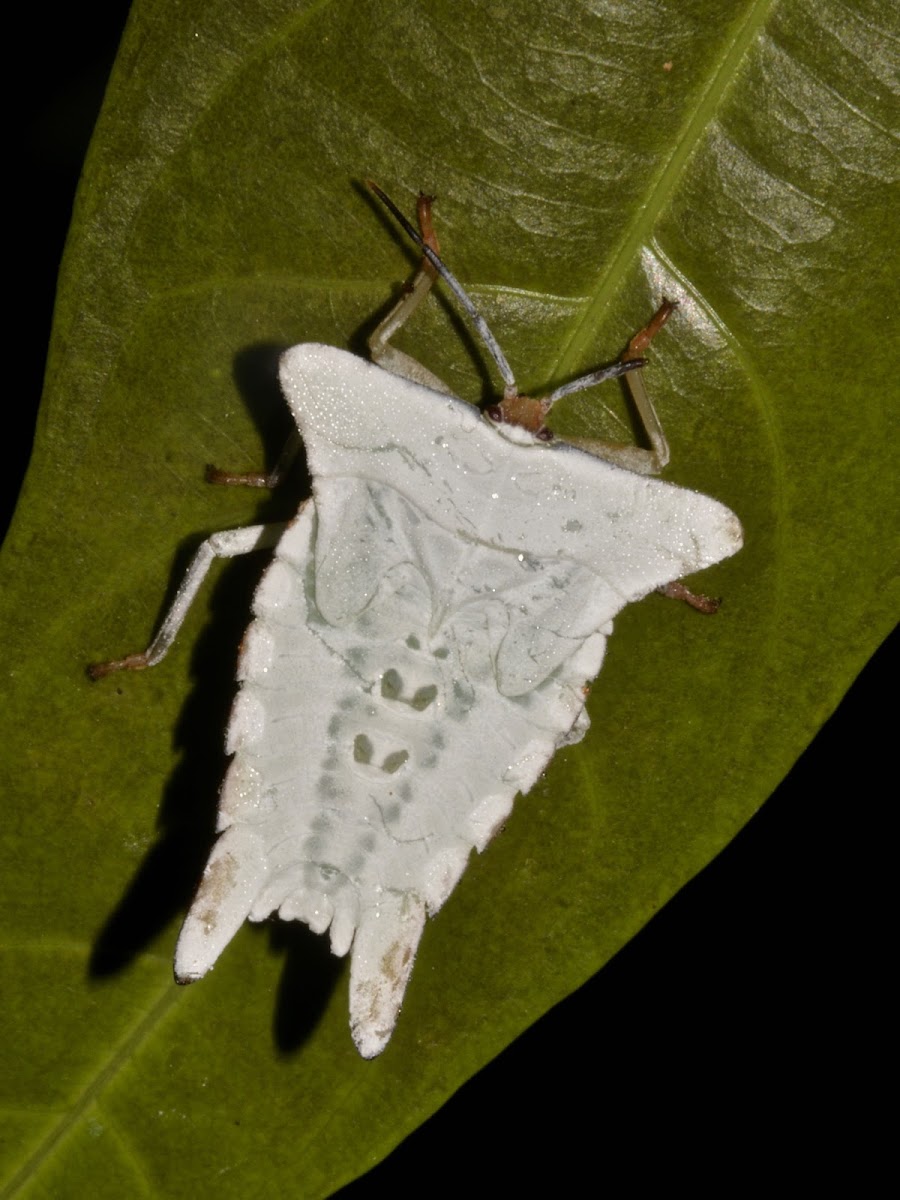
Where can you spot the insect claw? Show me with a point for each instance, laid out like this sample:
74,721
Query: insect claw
131,662
708,605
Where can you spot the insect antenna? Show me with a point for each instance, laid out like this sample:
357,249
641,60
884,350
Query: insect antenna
613,371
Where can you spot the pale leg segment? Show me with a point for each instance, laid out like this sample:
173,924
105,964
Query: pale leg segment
230,543
388,356
637,458
380,349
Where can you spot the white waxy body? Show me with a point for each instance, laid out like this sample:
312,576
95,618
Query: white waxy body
419,650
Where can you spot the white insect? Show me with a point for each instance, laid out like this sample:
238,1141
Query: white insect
421,644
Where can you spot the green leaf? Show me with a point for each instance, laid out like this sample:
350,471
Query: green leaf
586,161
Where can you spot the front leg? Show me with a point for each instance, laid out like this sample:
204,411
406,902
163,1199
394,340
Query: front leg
380,348
230,543
258,479
637,458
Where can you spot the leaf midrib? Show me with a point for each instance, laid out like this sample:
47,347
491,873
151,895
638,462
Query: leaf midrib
660,187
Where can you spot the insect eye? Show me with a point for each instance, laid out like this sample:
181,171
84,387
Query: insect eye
494,413
544,434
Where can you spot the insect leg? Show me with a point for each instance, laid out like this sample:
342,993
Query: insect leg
414,292
637,458
465,301
228,544
680,591
286,460
659,455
